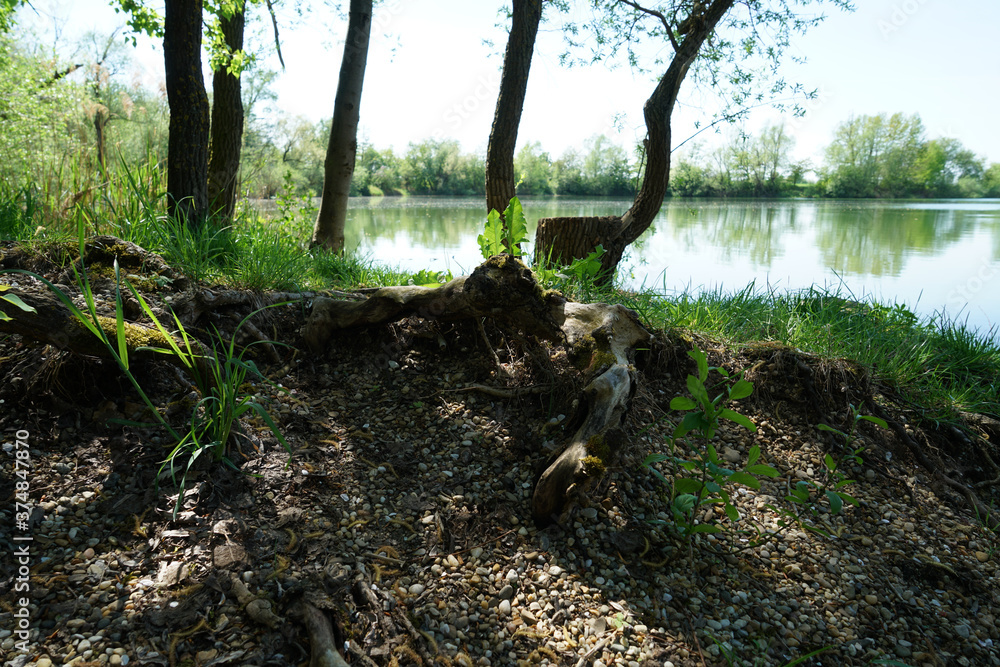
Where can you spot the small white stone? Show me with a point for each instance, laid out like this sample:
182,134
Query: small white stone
504,607
416,589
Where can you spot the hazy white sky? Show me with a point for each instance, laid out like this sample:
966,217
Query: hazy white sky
430,75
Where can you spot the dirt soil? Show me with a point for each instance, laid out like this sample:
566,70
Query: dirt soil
403,514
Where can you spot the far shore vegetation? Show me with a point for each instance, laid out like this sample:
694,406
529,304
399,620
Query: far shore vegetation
68,131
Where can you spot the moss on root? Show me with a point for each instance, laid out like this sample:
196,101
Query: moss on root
593,466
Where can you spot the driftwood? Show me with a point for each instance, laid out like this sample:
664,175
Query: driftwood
504,289
614,331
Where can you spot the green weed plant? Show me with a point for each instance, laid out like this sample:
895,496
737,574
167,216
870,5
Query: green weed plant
220,373
702,476
805,495
504,235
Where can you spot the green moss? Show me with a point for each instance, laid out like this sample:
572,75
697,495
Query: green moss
593,466
601,358
135,335
597,446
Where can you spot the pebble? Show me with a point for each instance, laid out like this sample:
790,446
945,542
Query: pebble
416,589
504,607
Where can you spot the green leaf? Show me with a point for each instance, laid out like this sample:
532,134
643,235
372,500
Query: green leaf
491,240
762,469
687,486
16,300
684,503
849,499
702,361
682,403
731,512
742,420
745,479
830,464
692,421
836,503
654,458
875,420
706,528
741,389
589,267
696,388
753,456
517,227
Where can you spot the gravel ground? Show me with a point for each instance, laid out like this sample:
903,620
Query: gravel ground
405,515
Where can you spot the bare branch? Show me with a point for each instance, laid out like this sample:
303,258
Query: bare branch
277,40
654,13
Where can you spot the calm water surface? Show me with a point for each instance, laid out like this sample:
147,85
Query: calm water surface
937,257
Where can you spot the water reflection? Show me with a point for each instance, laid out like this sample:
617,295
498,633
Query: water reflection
922,253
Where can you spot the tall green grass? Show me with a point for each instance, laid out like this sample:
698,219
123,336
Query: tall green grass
20,213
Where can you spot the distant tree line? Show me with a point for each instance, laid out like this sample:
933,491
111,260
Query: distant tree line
67,130
294,153
870,156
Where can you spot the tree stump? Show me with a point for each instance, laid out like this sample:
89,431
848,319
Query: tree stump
563,239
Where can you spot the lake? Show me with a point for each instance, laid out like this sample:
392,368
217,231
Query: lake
936,256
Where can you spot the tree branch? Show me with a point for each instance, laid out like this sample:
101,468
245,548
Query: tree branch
277,40
654,13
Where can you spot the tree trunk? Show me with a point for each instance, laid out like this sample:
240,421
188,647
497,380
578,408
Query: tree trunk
657,111
500,178
227,126
187,153
342,150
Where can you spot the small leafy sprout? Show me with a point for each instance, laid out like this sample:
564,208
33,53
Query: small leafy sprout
702,478
504,235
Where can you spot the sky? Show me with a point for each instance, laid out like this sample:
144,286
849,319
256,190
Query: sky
430,74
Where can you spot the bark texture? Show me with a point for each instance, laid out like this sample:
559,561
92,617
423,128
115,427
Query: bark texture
187,153
341,153
227,127
561,240
697,27
500,177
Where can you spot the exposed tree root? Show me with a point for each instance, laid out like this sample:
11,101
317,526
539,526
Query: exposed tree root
603,337
936,470
322,643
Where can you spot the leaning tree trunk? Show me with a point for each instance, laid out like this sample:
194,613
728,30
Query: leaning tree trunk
500,178
187,152
343,148
227,125
562,236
